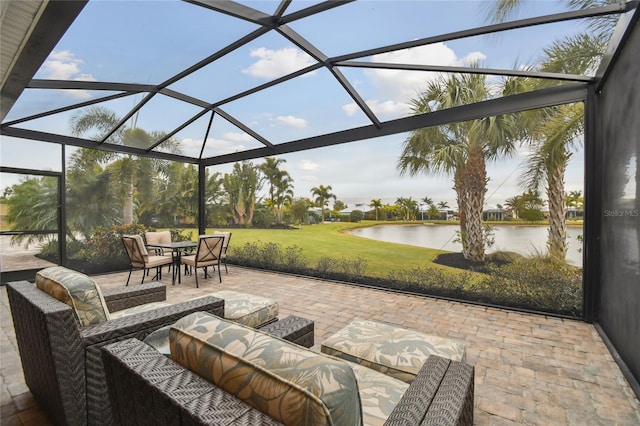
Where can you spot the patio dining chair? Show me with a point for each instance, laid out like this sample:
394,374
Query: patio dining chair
140,259
159,237
208,253
225,246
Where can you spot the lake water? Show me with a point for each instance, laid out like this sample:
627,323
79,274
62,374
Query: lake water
526,240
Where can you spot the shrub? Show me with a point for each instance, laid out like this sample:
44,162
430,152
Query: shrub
539,283
105,245
244,255
314,218
263,218
431,280
178,235
354,268
268,256
293,259
272,256
356,216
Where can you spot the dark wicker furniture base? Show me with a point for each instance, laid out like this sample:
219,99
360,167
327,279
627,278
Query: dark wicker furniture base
293,329
62,362
146,387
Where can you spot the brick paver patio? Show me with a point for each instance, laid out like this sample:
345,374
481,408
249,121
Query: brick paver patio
530,369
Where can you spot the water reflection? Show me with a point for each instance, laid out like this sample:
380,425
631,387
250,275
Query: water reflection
526,240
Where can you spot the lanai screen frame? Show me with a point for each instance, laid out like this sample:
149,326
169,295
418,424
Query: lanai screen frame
577,89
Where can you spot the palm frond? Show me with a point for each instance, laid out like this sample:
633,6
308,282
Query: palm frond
579,54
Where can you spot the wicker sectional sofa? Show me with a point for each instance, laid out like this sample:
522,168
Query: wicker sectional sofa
59,339
220,372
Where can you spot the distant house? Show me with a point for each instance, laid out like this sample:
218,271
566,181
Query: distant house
496,215
313,211
574,213
446,214
348,210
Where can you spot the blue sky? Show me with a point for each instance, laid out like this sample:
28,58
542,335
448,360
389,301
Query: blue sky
150,41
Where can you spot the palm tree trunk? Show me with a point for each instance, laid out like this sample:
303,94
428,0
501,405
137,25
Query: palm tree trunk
127,208
250,209
557,237
475,236
474,181
461,198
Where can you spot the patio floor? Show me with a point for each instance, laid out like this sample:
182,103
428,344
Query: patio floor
530,369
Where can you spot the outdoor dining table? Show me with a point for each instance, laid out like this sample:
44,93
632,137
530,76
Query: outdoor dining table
177,247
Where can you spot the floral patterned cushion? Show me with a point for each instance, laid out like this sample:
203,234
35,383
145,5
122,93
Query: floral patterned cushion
391,350
248,309
285,381
76,290
138,309
379,394
159,340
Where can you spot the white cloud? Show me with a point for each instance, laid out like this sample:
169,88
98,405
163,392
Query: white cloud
291,121
238,137
308,165
276,63
387,108
63,65
473,57
398,87
192,147
401,86
350,109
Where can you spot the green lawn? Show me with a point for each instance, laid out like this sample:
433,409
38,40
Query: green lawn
332,240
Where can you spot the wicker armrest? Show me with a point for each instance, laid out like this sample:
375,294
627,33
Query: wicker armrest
441,394
133,326
118,299
149,320
146,387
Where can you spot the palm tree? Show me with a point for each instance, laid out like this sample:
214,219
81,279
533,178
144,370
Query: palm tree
127,171
283,197
376,203
33,205
460,149
177,194
300,209
443,205
575,199
428,201
433,212
555,139
241,186
322,196
407,206
555,132
280,185
91,201
515,204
